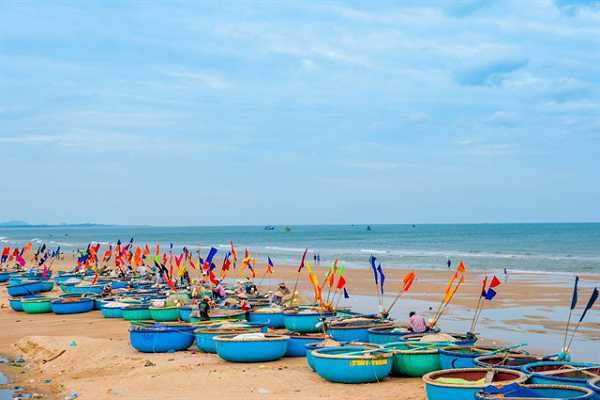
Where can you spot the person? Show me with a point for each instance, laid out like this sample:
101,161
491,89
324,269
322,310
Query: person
204,308
417,323
281,293
250,287
219,290
449,263
505,275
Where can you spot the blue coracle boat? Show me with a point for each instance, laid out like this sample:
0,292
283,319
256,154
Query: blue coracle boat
205,337
352,364
383,335
527,392
258,348
354,331
272,319
304,322
71,306
185,313
5,276
160,338
297,344
561,373
594,384
461,356
464,383
15,302
26,288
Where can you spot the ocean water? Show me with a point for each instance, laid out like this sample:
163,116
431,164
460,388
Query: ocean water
546,248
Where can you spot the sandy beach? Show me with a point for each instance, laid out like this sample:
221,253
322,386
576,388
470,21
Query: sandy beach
91,356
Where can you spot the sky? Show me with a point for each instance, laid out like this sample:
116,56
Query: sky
300,112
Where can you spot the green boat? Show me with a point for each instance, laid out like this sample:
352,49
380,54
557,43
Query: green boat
136,313
413,360
223,315
37,306
162,314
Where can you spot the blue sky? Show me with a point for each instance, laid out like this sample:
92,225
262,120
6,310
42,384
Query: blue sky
287,112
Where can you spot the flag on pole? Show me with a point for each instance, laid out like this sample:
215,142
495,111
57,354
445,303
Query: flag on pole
269,266
373,259
408,281
381,276
302,261
574,299
234,252
346,295
590,303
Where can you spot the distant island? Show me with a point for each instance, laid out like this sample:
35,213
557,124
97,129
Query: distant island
22,224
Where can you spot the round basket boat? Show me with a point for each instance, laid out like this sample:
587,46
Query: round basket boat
561,373
15,302
458,339
112,310
357,331
72,305
205,337
136,312
297,344
386,334
5,276
161,338
304,322
26,287
227,315
274,319
164,314
37,305
185,313
254,348
464,383
310,347
507,361
83,289
413,360
594,384
352,364
528,392
463,356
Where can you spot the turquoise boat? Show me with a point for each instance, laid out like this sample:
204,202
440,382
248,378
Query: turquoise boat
465,383
72,305
39,305
297,344
160,338
185,313
164,314
413,360
5,276
594,384
358,331
507,361
310,347
25,287
304,322
205,337
111,310
136,312
251,347
529,392
460,339
463,356
386,334
15,302
272,319
47,286
561,373
352,364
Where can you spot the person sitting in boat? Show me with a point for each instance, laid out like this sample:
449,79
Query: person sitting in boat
204,308
417,323
250,287
218,291
282,293
107,291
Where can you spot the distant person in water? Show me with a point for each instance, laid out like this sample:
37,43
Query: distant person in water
505,275
417,323
449,263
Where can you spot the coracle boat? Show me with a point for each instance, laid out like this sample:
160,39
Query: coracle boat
227,315
594,384
386,334
352,364
297,344
81,288
273,316
355,328
161,338
464,383
39,305
185,313
251,347
464,356
304,321
5,276
457,339
136,312
15,302
164,314
561,373
72,305
528,392
413,359
310,347
112,309
27,287
205,337
507,361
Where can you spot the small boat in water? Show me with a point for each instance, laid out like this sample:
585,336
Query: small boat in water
561,373
352,364
528,392
464,383
251,347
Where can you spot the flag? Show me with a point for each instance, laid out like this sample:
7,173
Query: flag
495,282
226,262
408,281
331,273
234,252
192,263
211,254
20,260
381,277
373,259
246,259
346,295
212,278
574,299
269,265
314,281
341,282
302,261
483,285
490,294
157,251
453,291
461,267
590,303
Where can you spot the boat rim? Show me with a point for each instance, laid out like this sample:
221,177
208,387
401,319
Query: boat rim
230,338
427,378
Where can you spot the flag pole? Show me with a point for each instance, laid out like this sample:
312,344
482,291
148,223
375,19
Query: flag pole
573,305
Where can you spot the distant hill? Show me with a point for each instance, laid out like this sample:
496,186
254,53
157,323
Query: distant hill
15,223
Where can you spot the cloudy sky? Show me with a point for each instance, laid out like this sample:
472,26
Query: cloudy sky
287,112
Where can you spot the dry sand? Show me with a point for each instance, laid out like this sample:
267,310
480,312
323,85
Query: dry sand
94,359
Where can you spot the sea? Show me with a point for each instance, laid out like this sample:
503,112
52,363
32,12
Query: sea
548,248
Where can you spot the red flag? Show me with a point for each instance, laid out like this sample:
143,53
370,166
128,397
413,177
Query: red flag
211,276
157,249
408,281
234,252
341,282
146,250
483,284
5,251
495,282
302,261
461,267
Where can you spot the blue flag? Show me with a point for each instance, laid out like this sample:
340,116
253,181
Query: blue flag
381,277
346,295
211,253
269,261
490,294
590,303
373,259
574,299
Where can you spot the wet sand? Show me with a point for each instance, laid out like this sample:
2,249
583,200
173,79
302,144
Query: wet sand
94,359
